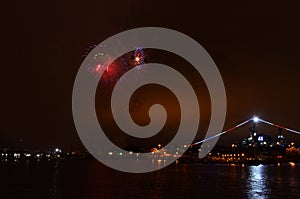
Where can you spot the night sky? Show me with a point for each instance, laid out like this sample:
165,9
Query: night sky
255,45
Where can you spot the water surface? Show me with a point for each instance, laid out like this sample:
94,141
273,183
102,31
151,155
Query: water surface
89,179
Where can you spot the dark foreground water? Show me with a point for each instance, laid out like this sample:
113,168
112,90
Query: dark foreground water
88,179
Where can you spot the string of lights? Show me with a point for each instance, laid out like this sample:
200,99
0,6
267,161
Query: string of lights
254,119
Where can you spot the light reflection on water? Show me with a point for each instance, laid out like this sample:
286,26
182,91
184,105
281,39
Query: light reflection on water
85,179
258,182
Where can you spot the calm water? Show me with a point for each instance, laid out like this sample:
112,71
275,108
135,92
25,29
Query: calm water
88,179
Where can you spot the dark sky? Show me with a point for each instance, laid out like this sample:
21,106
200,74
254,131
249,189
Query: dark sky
255,45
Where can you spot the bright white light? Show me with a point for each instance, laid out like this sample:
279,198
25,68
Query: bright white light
256,119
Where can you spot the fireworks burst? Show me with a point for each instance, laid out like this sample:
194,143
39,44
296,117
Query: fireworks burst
113,72
139,57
